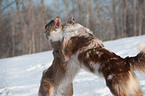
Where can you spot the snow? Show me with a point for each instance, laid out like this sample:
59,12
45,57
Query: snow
21,75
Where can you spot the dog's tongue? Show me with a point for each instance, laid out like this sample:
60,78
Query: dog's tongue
57,22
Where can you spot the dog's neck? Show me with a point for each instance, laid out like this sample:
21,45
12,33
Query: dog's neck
65,73
55,35
56,45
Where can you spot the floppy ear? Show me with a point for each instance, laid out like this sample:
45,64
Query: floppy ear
57,22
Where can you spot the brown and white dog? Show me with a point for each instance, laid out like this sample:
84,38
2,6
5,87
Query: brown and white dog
57,79
81,49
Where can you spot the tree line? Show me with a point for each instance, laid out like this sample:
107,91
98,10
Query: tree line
22,21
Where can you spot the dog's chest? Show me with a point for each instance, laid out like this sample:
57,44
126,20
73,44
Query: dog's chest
72,68
62,88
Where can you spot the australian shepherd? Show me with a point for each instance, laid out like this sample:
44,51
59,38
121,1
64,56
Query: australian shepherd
57,79
81,49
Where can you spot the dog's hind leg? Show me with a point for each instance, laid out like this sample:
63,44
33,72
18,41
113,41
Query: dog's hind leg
124,84
45,88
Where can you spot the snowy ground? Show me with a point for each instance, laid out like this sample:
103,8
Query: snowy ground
20,76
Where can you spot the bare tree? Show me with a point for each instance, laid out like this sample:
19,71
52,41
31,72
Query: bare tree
121,18
140,16
80,10
13,37
19,23
88,17
44,20
125,15
66,8
134,17
0,7
6,6
114,18
18,11
99,18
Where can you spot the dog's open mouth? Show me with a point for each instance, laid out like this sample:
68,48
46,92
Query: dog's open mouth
57,25
57,22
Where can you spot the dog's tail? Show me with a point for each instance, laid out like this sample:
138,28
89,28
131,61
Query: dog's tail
137,63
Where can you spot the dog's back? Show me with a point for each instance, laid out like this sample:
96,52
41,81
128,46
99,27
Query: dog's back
118,72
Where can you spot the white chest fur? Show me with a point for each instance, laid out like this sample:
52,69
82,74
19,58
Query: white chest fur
56,35
73,68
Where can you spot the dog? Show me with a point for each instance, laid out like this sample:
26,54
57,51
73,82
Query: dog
57,79
86,51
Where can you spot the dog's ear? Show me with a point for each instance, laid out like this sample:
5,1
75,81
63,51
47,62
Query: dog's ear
50,24
57,22
72,20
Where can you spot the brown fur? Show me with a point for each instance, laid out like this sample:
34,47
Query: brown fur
84,47
110,64
54,75
118,72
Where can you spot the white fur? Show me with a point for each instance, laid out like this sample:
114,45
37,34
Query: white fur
73,68
110,76
70,28
67,35
56,35
141,47
75,30
133,85
93,44
52,92
96,68
129,88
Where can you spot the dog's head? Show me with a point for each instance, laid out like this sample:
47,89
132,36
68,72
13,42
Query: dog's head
53,30
70,25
